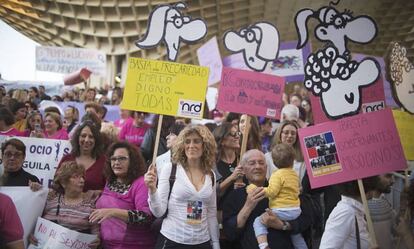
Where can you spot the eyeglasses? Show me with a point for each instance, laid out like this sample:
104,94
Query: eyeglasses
195,141
293,133
254,162
8,154
235,134
119,159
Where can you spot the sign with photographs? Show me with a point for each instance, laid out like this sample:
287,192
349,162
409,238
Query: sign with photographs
352,148
252,93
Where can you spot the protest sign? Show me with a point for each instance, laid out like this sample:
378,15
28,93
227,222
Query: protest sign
251,93
290,62
352,148
389,100
163,87
42,156
235,61
372,98
29,205
51,236
209,56
405,126
68,60
112,114
400,72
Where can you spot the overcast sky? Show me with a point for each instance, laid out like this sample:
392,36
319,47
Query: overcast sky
17,57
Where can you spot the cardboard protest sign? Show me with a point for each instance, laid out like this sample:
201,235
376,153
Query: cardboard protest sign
209,56
389,100
290,62
372,99
68,60
165,88
400,73
51,236
405,126
235,61
351,148
330,73
259,44
112,114
251,93
167,23
29,206
42,156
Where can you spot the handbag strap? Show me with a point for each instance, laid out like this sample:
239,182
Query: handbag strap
172,181
357,234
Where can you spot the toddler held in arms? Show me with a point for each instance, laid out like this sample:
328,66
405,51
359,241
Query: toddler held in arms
283,194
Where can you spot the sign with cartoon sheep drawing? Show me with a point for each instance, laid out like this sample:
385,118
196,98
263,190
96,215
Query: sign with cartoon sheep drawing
330,73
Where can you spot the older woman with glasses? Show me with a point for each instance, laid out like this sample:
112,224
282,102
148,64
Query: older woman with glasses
191,221
67,204
87,150
122,210
13,154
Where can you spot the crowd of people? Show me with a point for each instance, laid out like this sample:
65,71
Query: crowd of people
201,192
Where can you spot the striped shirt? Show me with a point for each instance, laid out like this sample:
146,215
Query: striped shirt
74,217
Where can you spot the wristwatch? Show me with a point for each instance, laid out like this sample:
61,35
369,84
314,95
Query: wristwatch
285,226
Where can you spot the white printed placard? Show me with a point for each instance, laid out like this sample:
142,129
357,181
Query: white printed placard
51,236
68,60
42,156
29,205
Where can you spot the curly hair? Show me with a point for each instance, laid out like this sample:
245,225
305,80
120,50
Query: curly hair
136,167
277,138
74,141
209,147
64,173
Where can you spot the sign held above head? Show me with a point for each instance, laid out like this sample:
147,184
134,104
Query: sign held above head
330,73
400,73
168,24
258,42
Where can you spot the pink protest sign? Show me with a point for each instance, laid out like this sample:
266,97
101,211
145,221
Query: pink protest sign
373,99
251,93
352,148
209,56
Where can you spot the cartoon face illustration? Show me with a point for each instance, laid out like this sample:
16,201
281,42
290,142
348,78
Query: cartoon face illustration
336,27
338,81
330,73
168,24
259,44
401,73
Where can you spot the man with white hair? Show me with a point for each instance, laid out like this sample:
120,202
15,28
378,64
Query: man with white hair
291,112
240,210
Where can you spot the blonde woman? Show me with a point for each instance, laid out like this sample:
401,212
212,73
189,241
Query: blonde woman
191,220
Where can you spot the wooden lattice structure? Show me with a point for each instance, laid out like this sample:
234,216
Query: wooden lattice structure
114,25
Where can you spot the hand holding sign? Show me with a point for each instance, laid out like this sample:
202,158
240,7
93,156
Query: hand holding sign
150,178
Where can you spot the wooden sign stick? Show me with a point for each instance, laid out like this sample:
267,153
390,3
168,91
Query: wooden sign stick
157,139
367,214
245,136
